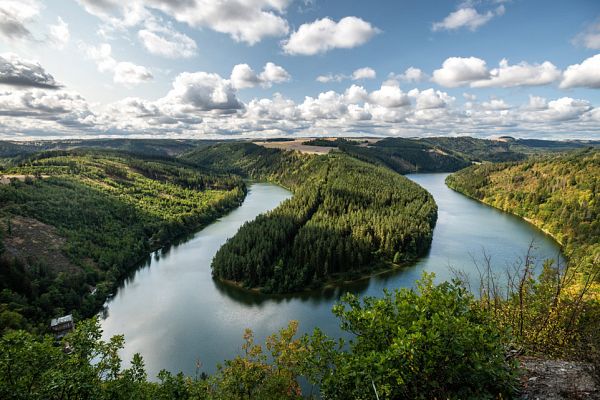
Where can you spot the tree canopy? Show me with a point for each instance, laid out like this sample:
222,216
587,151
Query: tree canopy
346,218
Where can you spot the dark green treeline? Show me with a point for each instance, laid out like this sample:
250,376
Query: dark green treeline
346,218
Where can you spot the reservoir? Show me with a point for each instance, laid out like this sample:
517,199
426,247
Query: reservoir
174,314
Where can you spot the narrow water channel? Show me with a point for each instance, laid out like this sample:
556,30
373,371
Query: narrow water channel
174,314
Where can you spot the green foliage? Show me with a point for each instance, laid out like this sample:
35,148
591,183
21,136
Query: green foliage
85,367
333,142
245,159
559,194
112,210
141,147
504,149
416,344
478,150
557,313
444,154
252,376
431,342
346,217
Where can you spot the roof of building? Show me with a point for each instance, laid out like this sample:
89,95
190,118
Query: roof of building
61,320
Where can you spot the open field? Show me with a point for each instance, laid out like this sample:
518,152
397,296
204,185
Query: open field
6,179
298,145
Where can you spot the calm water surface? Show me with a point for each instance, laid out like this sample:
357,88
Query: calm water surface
173,313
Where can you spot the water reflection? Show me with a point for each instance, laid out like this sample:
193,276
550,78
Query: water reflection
173,312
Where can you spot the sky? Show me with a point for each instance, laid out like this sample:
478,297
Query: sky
296,68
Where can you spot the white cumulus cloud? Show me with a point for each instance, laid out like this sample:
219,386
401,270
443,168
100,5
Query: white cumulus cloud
45,112
496,104
411,74
17,71
129,73
522,74
586,74
247,21
243,76
589,38
325,34
364,73
472,71
358,74
14,17
273,73
327,105
166,42
124,72
202,91
356,94
536,103
389,96
429,98
467,17
59,33
562,109
331,78
457,71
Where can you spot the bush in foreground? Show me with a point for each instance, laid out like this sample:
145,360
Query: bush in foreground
432,342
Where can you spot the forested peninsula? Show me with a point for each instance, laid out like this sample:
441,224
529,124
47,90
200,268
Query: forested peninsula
89,215
90,211
347,218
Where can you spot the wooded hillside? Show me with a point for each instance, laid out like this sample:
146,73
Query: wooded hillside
79,221
559,194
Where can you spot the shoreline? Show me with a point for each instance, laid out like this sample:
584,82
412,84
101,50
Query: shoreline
530,221
134,266
328,284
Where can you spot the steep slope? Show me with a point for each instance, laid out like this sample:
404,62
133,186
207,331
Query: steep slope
101,213
559,194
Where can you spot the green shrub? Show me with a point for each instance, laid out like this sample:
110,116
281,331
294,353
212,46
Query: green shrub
429,343
432,342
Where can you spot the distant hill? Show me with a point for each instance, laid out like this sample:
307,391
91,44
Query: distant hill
406,156
444,154
143,147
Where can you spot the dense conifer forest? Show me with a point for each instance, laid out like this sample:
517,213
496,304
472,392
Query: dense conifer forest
100,214
90,216
346,217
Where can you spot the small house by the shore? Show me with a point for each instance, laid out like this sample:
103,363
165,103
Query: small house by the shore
62,325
